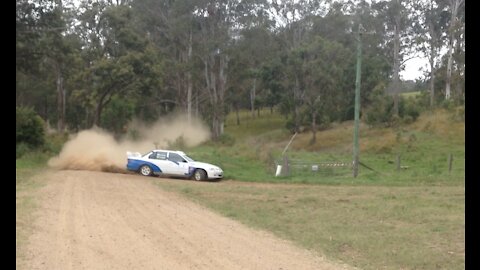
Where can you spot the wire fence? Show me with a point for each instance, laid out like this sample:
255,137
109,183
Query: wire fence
446,165
286,166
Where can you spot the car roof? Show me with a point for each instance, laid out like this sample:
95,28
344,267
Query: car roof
172,151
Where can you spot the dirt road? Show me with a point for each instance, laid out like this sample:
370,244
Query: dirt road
94,220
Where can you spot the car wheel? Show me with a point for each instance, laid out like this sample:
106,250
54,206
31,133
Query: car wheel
199,175
145,170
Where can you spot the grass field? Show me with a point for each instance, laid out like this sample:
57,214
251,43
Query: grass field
383,219
371,227
26,169
423,146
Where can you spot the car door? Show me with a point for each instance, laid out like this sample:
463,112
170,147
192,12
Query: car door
178,164
159,158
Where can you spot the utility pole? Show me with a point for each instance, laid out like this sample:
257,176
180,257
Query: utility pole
357,102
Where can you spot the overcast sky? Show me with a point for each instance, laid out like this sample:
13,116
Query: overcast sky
412,67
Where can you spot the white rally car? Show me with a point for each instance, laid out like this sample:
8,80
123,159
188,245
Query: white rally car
171,163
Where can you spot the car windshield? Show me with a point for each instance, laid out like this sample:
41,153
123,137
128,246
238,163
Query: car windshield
189,159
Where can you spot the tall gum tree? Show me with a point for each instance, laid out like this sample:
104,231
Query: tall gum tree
399,29
294,23
454,25
430,24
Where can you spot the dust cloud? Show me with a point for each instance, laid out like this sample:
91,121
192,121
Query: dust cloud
97,150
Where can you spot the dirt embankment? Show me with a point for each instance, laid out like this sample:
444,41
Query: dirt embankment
95,220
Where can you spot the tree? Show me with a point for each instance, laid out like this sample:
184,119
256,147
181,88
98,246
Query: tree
324,64
397,9
294,19
119,61
271,76
395,12
172,27
61,57
29,127
430,25
454,25
219,22
250,52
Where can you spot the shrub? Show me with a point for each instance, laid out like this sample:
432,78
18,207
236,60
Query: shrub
459,114
448,105
30,128
380,110
410,110
226,139
54,142
22,149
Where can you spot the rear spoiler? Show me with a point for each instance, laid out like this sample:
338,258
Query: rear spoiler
133,154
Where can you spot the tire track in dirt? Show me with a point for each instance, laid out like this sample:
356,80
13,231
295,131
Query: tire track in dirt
94,220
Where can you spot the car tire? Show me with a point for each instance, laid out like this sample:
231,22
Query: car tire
199,175
145,170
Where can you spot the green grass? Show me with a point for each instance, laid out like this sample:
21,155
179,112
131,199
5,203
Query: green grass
423,146
371,227
411,94
253,126
27,167
427,164
412,218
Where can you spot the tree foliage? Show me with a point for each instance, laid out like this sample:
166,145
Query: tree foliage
106,62
30,127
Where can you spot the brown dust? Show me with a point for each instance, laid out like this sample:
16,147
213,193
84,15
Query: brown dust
97,150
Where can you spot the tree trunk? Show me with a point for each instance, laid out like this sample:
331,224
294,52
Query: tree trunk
296,111
98,114
449,70
461,69
223,65
216,80
99,108
432,80
238,115
396,65
454,5
432,56
252,97
196,105
60,87
189,81
60,99
314,128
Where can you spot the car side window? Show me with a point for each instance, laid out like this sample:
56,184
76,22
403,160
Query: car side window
175,157
158,155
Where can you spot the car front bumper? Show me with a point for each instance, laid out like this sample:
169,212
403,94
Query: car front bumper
215,174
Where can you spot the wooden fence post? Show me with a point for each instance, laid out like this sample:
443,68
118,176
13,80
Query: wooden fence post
450,161
286,168
398,162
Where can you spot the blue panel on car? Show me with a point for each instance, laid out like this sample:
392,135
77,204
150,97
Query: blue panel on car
134,165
